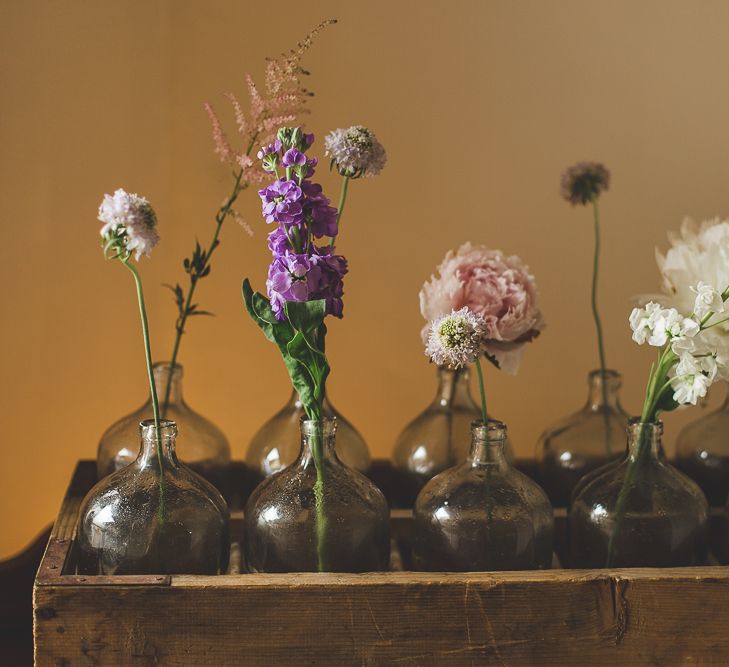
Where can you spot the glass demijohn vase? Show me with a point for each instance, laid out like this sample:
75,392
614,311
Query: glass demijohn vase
138,521
281,519
665,513
201,445
583,441
278,442
438,437
483,514
702,452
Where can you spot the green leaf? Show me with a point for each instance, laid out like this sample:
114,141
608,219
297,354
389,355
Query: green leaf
300,339
306,315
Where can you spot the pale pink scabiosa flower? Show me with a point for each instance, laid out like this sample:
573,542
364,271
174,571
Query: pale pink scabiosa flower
355,151
584,182
454,340
499,289
130,223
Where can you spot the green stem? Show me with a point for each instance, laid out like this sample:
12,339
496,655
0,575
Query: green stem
631,474
152,387
340,207
220,217
316,442
321,518
657,385
598,324
482,390
485,416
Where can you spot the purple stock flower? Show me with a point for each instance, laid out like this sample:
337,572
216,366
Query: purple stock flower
323,216
305,277
271,149
281,202
293,157
278,242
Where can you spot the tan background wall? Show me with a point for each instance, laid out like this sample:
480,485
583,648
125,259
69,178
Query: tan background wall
480,104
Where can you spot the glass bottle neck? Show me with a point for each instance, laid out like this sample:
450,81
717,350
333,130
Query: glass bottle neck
644,440
454,388
151,447
487,446
164,374
603,391
318,441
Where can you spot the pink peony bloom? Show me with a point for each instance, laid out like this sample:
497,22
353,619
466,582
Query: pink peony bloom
498,288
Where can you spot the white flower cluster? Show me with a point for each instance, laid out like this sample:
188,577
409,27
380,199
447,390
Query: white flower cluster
131,219
702,353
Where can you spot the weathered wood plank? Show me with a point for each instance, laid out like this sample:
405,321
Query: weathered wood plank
331,620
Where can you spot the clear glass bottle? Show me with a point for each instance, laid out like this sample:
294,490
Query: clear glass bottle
702,452
438,437
278,442
665,519
139,520
583,441
281,515
483,514
201,444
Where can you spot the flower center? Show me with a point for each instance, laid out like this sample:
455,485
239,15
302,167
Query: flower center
453,332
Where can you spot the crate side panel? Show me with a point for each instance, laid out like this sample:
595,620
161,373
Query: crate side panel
443,624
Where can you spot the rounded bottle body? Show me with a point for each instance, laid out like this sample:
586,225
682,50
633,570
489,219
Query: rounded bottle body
155,516
640,513
200,444
483,514
438,438
317,514
584,441
702,453
277,443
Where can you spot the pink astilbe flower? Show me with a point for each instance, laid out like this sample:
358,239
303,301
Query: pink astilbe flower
283,102
222,146
498,288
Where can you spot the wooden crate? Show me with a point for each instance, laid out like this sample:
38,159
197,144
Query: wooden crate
559,617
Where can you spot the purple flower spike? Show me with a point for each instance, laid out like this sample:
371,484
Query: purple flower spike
300,270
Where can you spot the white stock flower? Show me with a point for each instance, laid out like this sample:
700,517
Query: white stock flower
692,379
656,325
675,325
455,340
642,321
708,299
131,219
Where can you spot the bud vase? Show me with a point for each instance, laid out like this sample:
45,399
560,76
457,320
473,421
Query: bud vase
438,437
155,516
302,521
483,514
663,522
201,445
278,442
584,441
702,452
